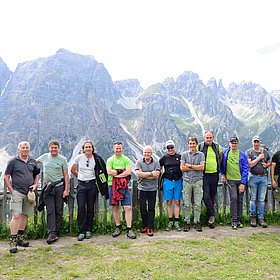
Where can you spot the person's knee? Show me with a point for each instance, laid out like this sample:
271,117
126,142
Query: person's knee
177,202
127,208
169,202
16,217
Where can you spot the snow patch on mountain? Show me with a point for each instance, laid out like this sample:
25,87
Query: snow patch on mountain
130,103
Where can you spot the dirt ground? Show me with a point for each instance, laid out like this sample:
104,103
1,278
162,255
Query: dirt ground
220,232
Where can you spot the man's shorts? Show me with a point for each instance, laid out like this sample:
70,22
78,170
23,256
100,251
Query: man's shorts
126,197
20,204
172,189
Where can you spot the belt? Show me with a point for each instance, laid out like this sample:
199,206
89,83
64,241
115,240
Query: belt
86,182
263,174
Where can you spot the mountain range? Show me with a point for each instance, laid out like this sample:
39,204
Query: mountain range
71,97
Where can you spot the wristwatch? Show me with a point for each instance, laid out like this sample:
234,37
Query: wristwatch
190,166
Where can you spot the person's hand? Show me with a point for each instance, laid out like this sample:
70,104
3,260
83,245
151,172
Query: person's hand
273,184
224,179
32,188
241,188
261,156
66,193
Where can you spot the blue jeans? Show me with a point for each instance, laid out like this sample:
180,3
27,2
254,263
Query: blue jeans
257,188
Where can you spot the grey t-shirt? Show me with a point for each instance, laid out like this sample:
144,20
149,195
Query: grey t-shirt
21,173
147,184
193,159
258,168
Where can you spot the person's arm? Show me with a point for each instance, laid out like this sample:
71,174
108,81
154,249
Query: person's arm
272,174
74,169
67,183
7,181
125,173
35,183
254,162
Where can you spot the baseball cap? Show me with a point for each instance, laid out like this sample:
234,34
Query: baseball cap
256,138
233,138
169,143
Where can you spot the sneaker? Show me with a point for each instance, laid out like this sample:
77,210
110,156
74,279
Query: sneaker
21,241
130,234
51,238
143,229
177,226
262,223
211,222
88,235
169,226
116,232
234,225
150,232
81,237
186,227
197,227
13,244
239,224
253,221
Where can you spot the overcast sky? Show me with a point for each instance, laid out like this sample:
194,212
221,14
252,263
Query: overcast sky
151,39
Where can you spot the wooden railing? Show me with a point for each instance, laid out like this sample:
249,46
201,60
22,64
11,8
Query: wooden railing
102,206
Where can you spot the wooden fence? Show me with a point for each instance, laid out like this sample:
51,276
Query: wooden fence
102,206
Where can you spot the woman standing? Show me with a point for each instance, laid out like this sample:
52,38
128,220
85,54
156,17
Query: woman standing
90,169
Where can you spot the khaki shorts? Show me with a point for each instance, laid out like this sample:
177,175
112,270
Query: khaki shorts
20,204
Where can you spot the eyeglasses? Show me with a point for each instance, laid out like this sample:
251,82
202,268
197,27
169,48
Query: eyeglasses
233,142
87,164
170,147
117,143
256,141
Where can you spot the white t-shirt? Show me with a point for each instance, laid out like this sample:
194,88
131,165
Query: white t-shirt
85,167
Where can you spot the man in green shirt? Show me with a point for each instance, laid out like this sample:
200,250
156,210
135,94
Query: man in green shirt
234,170
119,171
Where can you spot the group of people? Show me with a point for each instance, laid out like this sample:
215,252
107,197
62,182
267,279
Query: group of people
189,177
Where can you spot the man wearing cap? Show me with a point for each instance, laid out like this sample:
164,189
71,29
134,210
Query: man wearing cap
192,165
213,158
172,183
259,161
20,176
234,170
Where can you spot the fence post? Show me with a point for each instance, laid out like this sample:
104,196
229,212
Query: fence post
135,204
224,202
71,200
4,209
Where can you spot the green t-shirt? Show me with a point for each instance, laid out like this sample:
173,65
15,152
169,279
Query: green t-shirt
53,167
114,162
233,169
211,162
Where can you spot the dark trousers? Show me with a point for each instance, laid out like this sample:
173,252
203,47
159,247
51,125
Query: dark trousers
210,185
54,204
147,201
236,200
86,196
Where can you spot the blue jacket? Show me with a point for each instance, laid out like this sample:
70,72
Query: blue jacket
243,165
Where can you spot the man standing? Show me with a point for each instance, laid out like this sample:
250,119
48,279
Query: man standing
234,170
147,170
259,161
213,158
119,171
23,171
172,183
56,181
192,165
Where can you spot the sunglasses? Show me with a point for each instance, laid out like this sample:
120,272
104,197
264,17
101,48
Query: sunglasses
170,147
256,141
87,164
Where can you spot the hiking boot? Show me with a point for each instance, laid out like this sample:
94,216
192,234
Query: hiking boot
143,229
211,222
116,232
130,234
262,223
88,235
21,241
253,221
81,237
239,224
169,226
51,238
150,232
197,227
186,227
177,226
13,244
234,225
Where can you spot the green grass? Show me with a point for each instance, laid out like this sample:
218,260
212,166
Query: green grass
253,257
